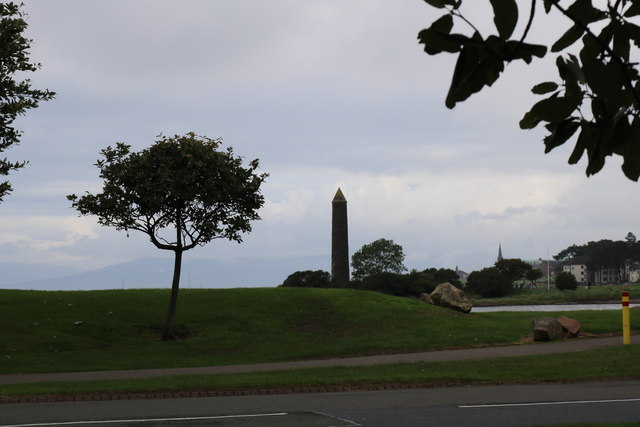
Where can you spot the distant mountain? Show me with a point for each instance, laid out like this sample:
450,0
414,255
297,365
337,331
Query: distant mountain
15,272
157,273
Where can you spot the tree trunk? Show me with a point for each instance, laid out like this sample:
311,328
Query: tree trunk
170,325
169,328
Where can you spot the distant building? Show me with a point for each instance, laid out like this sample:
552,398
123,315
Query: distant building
499,253
578,267
461,274
546,267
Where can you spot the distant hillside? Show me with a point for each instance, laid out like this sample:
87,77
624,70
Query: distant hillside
157,273
15,272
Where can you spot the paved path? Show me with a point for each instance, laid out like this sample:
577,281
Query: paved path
566,346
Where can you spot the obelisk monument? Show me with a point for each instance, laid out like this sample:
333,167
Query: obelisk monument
339,240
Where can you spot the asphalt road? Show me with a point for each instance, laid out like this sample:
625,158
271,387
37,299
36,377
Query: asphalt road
512,405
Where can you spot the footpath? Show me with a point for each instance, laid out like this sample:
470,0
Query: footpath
553,347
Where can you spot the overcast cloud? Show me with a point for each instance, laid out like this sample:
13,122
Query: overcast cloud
325,94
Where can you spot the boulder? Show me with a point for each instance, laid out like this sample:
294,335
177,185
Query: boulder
546,329
570,326
447,295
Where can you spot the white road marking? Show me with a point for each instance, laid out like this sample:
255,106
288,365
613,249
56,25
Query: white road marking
570,402
146,420
351,423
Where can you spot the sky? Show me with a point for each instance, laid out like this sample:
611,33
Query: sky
327,94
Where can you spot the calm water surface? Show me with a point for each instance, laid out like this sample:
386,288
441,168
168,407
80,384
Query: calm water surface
551,307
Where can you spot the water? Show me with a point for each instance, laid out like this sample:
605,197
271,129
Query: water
551,307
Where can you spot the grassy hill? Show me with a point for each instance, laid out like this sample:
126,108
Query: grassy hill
120,329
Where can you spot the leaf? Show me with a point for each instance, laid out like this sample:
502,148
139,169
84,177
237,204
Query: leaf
634,10
547,5
505,17
436,39
515,50
583,11
555,109
571,73
632,31
546,87
605,80
529,121
579,149
476,67
630,152
568,38
621,44
560,133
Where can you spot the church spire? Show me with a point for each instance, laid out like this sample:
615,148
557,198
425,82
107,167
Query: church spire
500,252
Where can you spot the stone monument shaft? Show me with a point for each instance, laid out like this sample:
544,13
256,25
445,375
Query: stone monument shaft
339,239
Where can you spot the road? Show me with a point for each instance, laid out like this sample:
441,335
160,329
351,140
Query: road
508,405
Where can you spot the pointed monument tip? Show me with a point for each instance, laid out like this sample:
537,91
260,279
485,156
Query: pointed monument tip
339,197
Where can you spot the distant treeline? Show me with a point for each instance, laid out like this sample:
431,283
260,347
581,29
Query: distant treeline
412,284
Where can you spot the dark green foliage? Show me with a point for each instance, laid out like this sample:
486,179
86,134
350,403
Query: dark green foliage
514,268
533,275
413,284
380,256
597,96
182,192
489,283
308,279
566,281
618,254
16,96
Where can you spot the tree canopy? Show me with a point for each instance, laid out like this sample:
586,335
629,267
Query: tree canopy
16,95
308,279
513,268
605,253
380,256
182,192
489,283
595,102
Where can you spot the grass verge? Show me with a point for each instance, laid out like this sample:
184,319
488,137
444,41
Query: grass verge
615,362
554,296
106,330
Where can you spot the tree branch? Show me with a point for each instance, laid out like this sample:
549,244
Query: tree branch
532,13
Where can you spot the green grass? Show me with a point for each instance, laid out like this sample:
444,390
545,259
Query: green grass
121,329
544,296
619,361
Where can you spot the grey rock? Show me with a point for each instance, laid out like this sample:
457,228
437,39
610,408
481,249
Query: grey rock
447,295
546,329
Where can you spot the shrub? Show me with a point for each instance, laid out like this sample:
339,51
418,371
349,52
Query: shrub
308,279
388,283
489,283
566,281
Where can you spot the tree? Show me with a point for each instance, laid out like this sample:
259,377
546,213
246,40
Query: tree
568,253
489,283
605,254
566,281
514,268
597,96
380,256
533,275
182,192
16,96
308,279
